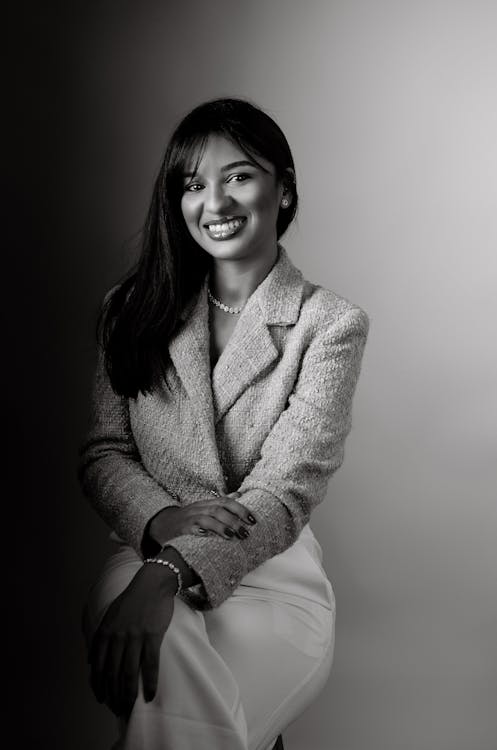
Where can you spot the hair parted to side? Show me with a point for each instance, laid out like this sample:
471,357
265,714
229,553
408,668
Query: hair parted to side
142,313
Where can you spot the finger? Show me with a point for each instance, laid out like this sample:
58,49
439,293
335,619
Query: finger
240,510
98,654
150,666
130,669
113,672
245,516
214,525
192,513
232,520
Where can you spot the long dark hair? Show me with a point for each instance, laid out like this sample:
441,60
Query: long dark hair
141,314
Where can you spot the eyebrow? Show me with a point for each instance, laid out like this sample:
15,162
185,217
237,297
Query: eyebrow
231,165
234,164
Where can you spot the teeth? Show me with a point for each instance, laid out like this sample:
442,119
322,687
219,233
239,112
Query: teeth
227,226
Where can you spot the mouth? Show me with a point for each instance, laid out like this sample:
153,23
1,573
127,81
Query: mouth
226,228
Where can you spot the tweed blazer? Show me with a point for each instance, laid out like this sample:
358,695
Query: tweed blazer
270,421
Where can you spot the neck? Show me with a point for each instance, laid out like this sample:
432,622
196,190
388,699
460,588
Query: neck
233,281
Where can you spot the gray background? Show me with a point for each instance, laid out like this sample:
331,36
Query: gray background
391,112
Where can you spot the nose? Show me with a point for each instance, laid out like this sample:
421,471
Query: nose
216,199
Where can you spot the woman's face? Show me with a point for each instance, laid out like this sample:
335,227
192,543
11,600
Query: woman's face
231,203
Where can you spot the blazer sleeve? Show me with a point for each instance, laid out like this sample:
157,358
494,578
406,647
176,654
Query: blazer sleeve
110,470
304,448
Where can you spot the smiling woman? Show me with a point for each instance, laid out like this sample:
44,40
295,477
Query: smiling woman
221,406
230,196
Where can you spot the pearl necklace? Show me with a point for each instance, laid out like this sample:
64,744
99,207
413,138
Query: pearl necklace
222,306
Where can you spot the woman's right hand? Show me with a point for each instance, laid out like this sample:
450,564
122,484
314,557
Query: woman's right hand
222,515
127,642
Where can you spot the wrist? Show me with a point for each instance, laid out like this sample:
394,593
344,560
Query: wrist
188,576
156,533
158,526
162,576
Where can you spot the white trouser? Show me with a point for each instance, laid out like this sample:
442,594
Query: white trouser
234,677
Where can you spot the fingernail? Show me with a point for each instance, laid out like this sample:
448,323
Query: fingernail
229,532
243,533
251,518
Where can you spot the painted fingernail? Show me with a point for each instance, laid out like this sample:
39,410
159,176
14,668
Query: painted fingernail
251,518
229,532
243,532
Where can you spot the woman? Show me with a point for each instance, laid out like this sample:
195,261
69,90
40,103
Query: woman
221,405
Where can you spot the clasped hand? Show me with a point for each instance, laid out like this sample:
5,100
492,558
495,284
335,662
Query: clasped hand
222,516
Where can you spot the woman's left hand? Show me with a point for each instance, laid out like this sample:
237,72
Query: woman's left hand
129,638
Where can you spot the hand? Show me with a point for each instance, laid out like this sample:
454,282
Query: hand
129,639
221,515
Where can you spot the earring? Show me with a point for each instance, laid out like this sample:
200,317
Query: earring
285,203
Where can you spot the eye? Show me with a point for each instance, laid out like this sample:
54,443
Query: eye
241,177
193,187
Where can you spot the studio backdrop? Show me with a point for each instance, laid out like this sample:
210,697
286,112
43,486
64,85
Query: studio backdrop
390,109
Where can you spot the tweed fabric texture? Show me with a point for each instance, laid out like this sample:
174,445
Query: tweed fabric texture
270,420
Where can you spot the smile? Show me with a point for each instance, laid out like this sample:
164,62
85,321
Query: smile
221,230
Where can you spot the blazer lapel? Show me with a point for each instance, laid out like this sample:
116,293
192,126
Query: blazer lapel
189,351
250,349
248,352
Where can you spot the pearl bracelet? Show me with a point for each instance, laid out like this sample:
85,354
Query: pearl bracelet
169,565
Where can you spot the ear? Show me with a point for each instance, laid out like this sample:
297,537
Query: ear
287,193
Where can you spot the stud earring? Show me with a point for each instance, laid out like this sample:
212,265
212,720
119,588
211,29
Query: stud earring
285,203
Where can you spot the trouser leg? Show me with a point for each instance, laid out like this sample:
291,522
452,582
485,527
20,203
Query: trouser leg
197,704
280,656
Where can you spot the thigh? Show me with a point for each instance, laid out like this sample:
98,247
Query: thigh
280,655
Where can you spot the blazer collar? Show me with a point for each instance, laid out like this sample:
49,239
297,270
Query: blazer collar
279,295
250,349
